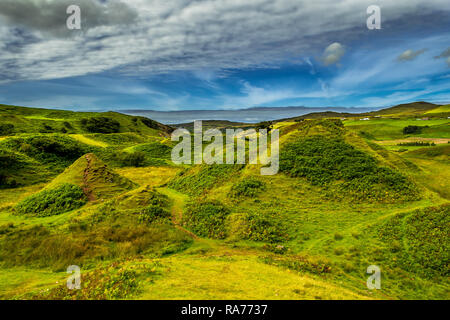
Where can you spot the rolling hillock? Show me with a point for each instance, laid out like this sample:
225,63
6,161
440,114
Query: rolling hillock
96,179
414,108
18,170
19,120
55,152
403,110
341,202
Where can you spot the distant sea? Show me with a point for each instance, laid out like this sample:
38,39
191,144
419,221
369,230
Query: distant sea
252,115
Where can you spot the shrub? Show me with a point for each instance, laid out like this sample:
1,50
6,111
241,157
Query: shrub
115,281
47,129
150,123
413,129
6,129
51,202
264,227
248,187
206,219
67,125
135,159
265,125
101,125
324,160
153,213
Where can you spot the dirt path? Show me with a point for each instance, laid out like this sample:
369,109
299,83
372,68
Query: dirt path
87,191
178,203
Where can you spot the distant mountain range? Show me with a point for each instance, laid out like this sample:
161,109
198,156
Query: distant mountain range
250,115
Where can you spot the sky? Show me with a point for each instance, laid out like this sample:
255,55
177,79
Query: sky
169,55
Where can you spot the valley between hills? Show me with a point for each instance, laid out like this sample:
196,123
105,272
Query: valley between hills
99,191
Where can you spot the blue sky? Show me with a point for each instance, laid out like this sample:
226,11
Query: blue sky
181,55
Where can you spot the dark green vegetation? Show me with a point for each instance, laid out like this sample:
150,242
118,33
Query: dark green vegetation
55,151
418,241
247,187
101,125
51,202
112,282
413,129
206,219
417,144
324,161
19,170
200,180
99,190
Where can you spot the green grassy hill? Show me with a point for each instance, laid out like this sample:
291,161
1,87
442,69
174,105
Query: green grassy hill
17,120
408,110
347,196
96,179
415,108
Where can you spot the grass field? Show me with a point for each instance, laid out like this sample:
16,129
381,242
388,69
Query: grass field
346,197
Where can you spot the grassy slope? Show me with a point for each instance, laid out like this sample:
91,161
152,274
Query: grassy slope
32,120
321,229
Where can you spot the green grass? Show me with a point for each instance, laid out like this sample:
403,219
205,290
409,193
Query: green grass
49,202
206,219
441,109
327,161
200,179
224,232
386,129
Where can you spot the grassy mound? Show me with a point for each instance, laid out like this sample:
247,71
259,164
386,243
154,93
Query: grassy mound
147,203
155,153
96,179
52,202
418,241
257,226
101,125
19,170
325,161
206,219
57,151
202,178
437,152
33,120
247,187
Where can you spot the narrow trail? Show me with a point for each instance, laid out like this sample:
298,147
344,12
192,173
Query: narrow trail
179,200
87,191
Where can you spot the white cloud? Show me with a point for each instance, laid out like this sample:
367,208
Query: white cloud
169,35
409,55
333,53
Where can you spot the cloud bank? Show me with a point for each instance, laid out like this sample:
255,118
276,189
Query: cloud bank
136,37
